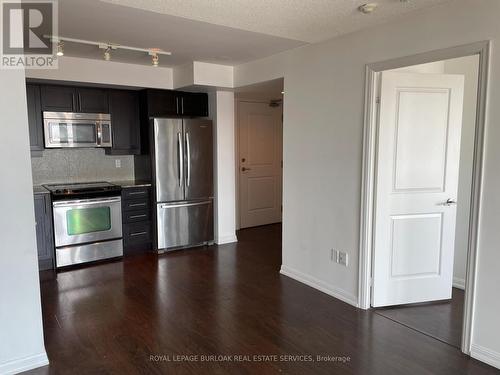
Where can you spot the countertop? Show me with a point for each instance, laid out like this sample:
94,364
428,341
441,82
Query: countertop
38,189
132,183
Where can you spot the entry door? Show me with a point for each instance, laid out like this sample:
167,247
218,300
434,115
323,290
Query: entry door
260,149
416,187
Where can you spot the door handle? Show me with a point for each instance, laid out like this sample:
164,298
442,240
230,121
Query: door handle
188,153
243,169
180,153
450,202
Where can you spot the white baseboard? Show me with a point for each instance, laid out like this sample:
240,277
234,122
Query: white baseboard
459,283
485,355
226,239
24,364
320,285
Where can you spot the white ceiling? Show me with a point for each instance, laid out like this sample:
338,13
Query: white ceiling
187,40
305,20
228,32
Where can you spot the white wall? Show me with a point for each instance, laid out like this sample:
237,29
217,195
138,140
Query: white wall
436,67
323,133
222,113
21,332
201,74
107,72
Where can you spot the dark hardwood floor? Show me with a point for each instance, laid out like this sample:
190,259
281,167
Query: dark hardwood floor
225,300
441,320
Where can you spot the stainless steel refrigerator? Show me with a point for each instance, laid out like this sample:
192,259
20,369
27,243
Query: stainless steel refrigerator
183,179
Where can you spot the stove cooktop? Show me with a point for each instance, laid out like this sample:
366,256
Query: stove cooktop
83,190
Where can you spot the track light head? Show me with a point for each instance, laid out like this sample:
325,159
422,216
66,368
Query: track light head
368,8
107,54
155,59
60,48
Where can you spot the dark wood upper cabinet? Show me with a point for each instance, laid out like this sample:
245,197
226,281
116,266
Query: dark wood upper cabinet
58,98
125,120
35,123
193,104
160,103
92,100
74,99
164,103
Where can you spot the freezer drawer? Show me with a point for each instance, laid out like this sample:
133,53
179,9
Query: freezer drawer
184,224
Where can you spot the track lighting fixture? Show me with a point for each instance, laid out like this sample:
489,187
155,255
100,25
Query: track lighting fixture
60,48
367,8
108,48
107,53
155,59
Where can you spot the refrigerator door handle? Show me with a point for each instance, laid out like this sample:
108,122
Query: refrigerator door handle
189,204
180,153
188,153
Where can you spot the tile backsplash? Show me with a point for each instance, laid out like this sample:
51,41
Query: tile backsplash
80,165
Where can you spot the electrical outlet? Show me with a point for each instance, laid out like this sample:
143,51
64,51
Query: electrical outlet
342,258
118,163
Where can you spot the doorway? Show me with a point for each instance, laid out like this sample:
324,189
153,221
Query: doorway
434,127
422,172
259,153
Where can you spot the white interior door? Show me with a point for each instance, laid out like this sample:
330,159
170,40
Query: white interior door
420,120
260,149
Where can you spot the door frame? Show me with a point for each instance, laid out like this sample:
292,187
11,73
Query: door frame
370,139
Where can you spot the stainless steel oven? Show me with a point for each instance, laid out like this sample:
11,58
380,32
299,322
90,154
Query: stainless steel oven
87,222
65,129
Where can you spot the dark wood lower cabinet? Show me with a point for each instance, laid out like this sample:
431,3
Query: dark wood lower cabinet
44,231
136,216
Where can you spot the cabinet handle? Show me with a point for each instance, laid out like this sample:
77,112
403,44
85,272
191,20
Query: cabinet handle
138,216
137,193
137,205
138,234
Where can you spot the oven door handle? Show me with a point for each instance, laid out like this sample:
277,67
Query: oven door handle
80,202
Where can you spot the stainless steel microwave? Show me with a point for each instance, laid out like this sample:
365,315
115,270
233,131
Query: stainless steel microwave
66,129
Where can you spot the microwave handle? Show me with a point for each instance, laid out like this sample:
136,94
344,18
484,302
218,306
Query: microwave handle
99,133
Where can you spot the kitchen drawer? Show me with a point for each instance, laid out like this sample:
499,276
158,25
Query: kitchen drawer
135,205
135,216
137,233
135,193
